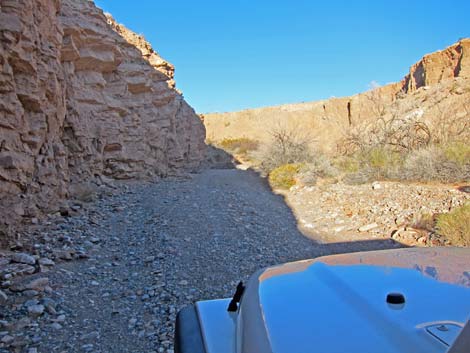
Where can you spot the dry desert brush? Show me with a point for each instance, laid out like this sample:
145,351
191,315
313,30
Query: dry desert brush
287,146
455,225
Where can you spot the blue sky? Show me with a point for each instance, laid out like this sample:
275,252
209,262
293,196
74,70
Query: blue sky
232,55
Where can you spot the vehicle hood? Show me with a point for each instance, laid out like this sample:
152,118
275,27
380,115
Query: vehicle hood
339,303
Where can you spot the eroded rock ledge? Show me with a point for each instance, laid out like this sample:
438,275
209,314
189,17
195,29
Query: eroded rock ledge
83,97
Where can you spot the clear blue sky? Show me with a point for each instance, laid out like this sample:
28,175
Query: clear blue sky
231,55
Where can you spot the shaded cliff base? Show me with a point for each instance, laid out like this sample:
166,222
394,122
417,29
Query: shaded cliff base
83,100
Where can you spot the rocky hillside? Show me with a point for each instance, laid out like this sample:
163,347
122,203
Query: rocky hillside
437,85
83,98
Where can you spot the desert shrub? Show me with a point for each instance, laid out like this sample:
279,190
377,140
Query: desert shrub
240,145
287,146
284,176
405,147
347,164
306,178
394,133
425,221
319,166
458,152
437,163
424,165
323,166
377,157
432,163
455,225
382,162
362,176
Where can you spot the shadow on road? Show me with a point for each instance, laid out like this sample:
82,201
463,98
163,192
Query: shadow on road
219,159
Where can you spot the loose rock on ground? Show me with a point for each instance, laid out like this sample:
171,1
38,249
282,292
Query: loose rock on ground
113,277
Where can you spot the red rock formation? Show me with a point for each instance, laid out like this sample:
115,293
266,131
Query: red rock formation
82,96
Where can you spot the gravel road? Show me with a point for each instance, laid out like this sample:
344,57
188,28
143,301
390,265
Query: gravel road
157,247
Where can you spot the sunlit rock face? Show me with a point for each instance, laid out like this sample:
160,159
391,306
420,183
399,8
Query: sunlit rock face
452,62
83,97
436,87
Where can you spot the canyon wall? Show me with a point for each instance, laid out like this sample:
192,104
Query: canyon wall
439,82
82,98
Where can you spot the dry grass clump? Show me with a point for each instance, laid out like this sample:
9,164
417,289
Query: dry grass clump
455,225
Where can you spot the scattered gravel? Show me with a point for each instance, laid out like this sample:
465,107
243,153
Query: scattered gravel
335,212
142,253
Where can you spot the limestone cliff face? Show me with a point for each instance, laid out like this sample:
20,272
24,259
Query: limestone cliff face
439,82
81,97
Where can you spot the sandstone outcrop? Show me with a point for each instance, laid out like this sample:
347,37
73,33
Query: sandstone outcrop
434,68
83,97
437,84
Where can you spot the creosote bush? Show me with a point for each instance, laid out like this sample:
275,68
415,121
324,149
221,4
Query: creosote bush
455,225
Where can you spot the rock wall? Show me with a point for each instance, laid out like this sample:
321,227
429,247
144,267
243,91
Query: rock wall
83,97
433,68
442,77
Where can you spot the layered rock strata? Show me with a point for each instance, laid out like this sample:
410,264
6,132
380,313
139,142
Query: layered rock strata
83,97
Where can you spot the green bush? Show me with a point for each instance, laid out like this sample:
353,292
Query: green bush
347,164
458,152
284,176
382,159
380,163
455,225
